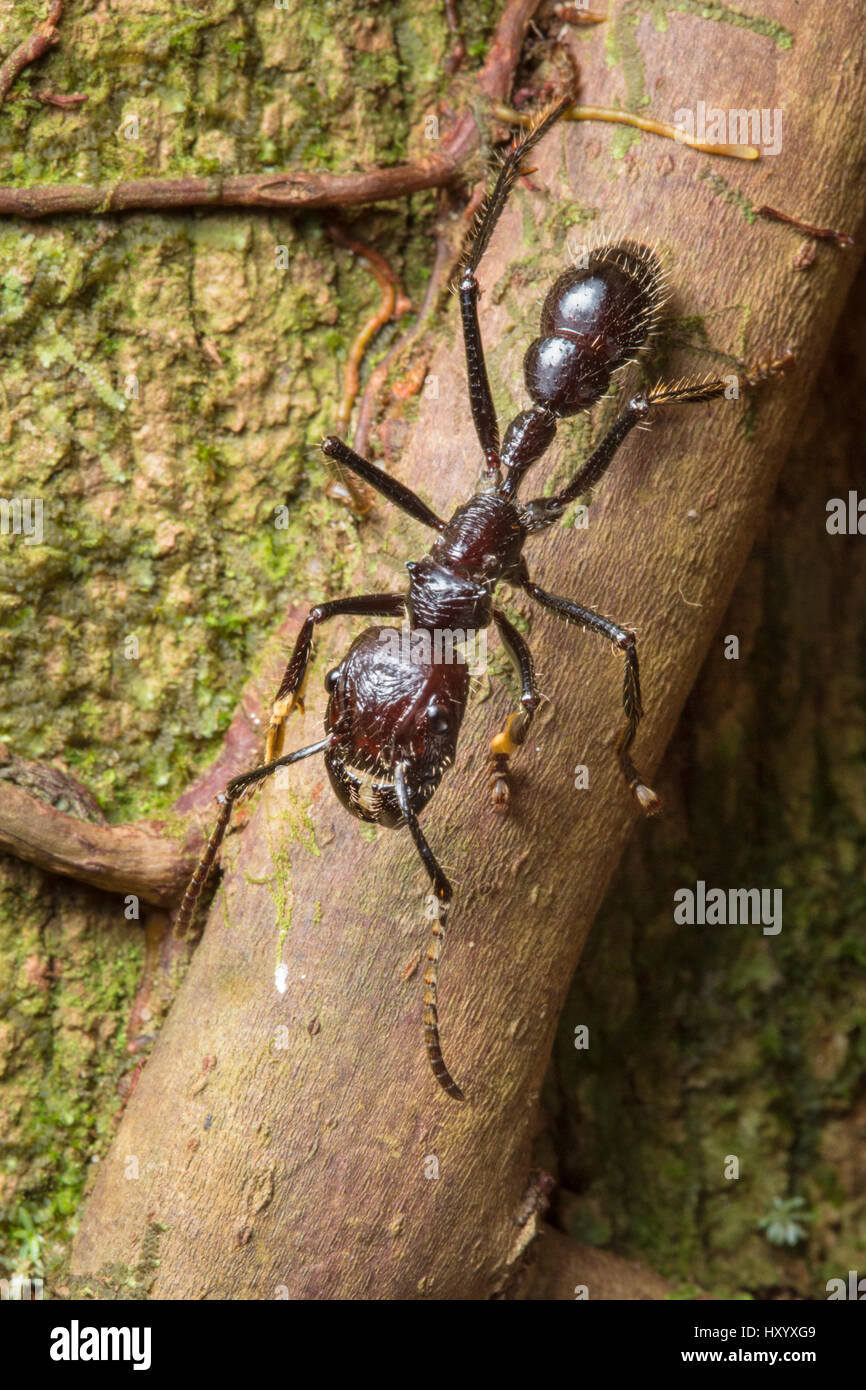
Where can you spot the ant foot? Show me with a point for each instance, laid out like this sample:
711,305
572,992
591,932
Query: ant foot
500,787
649,801
276,730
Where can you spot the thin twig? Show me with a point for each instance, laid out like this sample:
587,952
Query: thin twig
445,257
45,37
842,239
300,190
647,123
443,264
64,100
573,14
48,98
394,303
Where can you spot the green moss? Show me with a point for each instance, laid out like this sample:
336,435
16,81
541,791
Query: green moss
726,14
67,983
722,189
164,391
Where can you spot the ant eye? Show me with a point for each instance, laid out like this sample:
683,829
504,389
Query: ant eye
439,720
332,679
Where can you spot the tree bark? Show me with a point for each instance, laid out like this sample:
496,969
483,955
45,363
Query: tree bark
296,1143
713,1041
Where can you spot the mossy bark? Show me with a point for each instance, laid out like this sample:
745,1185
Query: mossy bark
165,384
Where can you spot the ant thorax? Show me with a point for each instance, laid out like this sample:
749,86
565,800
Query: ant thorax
483,540
441,599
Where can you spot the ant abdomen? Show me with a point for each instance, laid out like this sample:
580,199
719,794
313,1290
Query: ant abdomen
594,319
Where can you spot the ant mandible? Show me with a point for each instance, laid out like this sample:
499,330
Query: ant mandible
394,715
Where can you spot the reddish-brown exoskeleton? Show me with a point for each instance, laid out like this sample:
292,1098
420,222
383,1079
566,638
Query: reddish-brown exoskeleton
395,708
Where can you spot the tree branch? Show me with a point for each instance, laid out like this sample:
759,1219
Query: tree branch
307,191
151,858
45,37
338,1195
138,858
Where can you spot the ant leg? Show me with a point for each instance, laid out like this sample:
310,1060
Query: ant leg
291,692
401,496
504,744
545,510
227,800
442,890
631,700
480,396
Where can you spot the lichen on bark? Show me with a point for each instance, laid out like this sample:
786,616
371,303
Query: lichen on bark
165,385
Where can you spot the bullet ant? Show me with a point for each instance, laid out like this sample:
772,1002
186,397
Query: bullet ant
393,719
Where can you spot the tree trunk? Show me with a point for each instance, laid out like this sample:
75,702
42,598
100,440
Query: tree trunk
296,1142
285,1143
